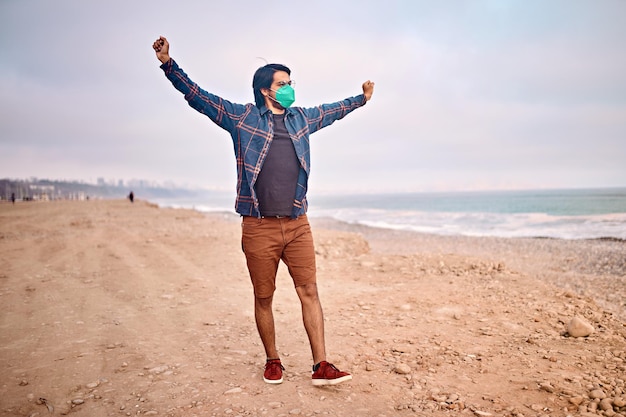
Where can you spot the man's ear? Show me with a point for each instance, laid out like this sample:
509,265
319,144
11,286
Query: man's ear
265,91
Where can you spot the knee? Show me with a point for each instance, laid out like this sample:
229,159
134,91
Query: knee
308,291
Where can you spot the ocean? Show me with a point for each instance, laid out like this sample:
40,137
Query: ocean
562,214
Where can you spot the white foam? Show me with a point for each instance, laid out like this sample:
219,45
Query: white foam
487,224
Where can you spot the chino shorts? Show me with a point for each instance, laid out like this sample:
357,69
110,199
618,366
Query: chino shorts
267,240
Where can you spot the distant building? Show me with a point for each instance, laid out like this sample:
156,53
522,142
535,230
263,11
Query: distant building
40,192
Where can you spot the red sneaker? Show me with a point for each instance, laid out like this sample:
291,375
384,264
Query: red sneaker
273,371
325,373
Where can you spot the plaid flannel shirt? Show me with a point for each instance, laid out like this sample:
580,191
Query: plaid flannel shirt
251,129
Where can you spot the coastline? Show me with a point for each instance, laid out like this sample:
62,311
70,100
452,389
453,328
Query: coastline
561,214
591,267
116,308
594,268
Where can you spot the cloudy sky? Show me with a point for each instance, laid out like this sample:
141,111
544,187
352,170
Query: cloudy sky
470,95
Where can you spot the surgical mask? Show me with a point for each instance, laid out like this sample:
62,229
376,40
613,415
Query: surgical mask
285,96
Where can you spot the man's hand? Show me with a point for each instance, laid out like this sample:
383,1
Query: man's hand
162,49
368,89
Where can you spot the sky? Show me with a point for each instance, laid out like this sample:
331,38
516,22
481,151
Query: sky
470,94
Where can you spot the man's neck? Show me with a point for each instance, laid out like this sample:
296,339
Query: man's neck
272,107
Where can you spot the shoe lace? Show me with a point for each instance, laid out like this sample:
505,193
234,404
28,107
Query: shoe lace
334,367
271,365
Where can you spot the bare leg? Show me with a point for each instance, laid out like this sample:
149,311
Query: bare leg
265,325
313,319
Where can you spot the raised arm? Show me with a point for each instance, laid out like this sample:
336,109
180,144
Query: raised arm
222,112
326,114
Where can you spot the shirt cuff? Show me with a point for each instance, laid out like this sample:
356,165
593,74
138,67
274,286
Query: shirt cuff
167,66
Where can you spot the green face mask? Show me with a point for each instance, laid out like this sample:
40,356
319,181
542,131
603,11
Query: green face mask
285,96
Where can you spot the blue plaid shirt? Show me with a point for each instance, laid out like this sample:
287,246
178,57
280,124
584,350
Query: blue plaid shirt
251,129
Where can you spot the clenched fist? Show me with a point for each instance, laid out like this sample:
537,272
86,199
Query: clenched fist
368,89
162,49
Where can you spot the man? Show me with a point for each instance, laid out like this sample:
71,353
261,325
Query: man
271,143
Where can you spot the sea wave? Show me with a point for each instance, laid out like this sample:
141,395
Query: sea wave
510,225
578,214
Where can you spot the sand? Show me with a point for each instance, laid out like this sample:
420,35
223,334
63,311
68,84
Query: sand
118,309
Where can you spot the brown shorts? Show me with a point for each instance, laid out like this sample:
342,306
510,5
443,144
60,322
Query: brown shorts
267,240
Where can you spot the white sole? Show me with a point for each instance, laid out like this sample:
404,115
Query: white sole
273,381
322,382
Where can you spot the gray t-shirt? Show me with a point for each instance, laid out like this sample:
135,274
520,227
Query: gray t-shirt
276,184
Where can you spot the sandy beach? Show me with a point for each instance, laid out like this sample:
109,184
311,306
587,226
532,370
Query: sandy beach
118,309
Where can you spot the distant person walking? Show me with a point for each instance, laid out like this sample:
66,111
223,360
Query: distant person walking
271,142
13,198
131,197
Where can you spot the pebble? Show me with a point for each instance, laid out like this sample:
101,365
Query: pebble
452,398
606,404
597,394
578,327
234,391
402,369
158,369
546,386
577,400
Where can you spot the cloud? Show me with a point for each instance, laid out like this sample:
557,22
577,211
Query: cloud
487,94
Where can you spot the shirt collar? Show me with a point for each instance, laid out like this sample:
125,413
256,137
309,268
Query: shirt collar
264,110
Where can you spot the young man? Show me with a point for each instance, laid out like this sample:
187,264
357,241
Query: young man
271,142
